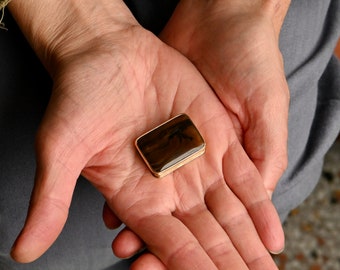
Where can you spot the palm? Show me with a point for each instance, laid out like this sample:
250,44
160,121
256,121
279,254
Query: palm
100,104
238,54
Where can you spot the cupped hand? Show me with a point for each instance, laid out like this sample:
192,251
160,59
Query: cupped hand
234,44
105,95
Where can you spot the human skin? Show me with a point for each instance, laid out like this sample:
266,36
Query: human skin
113,81
235,45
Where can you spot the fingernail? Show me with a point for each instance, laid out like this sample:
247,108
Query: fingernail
276,252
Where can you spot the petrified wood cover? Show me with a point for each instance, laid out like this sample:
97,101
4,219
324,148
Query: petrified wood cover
170,145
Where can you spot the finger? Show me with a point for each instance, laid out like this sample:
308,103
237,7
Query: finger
265,140
148,261
127,244
110,219
56,176
235,220
212,238
246,183
160,232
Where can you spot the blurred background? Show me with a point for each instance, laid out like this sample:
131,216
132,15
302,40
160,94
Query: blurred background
313,229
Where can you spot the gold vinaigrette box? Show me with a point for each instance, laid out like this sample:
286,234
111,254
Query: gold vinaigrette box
170,145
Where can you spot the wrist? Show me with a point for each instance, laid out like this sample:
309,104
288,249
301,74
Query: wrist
274,10
58,29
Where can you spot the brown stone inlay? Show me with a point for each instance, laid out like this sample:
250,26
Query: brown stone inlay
170,145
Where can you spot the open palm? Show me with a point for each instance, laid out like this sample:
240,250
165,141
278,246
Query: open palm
206,215
237,52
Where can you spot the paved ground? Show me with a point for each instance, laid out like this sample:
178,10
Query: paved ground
313,229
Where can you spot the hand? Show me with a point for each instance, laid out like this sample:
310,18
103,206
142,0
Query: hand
108,91
101,102
237,52
235,47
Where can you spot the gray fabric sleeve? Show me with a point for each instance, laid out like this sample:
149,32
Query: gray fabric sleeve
307,42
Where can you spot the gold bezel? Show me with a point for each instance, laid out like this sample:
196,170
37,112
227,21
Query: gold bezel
174,125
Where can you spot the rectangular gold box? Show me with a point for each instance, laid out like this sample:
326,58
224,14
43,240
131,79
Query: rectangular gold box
170,145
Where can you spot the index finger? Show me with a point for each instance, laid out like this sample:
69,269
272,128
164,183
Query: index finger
245,181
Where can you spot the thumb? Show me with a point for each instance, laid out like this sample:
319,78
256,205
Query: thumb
58,168
266,138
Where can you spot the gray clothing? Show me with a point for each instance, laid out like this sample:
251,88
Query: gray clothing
307,40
